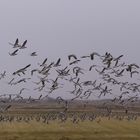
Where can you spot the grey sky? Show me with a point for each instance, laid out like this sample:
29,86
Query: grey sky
56,28
72,25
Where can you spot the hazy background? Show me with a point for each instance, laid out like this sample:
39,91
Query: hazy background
56,28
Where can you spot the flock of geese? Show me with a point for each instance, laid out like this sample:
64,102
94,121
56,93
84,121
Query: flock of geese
62,117
88,76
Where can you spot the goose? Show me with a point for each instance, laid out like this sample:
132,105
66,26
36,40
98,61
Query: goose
34,70
77,70
72,56
78,94
117,60
91,56
86,94
10,82
132,72
74,62
101,72
22,70
3,75
23,45
39,98
44,62
57,63
20,92
13,53
63,72
87,83
91,67
7,107
118,74
131,66
22,80
15,45
33,54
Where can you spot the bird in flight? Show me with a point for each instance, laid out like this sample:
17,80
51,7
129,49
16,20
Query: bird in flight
17,45
22,70
72,56
23,45
33,54
13,53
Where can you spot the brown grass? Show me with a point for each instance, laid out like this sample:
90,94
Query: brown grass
106,129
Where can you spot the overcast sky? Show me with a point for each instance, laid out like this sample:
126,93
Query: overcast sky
56,28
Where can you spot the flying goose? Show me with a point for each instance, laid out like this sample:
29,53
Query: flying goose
15,45
3,75
57,63
74,62
10,82
117,60
43,63
23,45
72,56
33,54
13,53
91,55
22,70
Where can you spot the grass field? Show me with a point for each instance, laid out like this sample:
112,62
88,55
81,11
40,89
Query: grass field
113,129
105,130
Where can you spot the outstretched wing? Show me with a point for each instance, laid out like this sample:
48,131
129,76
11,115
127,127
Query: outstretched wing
16,42
24,43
